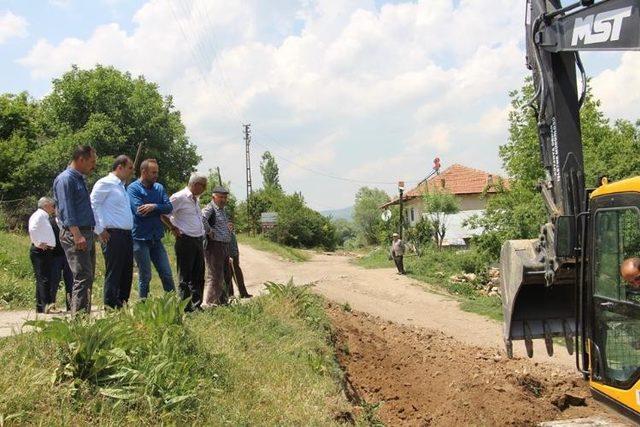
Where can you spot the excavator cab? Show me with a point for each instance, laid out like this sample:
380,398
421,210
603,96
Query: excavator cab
613,331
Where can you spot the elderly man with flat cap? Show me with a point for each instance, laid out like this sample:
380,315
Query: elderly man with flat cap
216,225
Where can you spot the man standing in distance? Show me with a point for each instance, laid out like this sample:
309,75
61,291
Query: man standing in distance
397,252
149,201
73,205
114,222
216,225
186,225
43,241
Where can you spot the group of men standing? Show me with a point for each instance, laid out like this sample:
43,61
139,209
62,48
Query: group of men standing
128,221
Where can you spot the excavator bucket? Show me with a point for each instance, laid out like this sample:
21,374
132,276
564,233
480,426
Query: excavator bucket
531,308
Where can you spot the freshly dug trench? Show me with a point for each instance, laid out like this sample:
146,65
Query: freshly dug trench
422,377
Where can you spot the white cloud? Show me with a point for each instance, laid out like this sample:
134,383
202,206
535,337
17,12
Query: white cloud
11,26
618,88
368,93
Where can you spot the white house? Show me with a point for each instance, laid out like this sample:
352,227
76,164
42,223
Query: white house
470,186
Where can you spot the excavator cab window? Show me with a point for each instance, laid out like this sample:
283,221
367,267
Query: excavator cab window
616,311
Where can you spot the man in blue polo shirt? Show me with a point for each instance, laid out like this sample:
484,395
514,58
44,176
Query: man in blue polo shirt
73,206
148,202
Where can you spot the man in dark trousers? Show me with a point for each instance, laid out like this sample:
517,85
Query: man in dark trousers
232,268
73,205
186,225
43,242
216,225
114,221
60,267
397,252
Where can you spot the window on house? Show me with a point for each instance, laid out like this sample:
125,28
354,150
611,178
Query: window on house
413,215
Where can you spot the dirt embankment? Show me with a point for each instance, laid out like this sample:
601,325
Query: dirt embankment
423,377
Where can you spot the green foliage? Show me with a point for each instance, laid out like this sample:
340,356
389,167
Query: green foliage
366,215
421,233
137,356
438,205
270,172
103,107
17,283
196,369
345,231
298,225
517,210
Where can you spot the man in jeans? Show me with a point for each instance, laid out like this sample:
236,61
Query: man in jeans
114,222
73,205
148,202
186,225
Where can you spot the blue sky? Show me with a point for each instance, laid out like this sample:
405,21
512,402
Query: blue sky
367,91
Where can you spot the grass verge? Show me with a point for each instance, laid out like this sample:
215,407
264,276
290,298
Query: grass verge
285,252
434,267
266,362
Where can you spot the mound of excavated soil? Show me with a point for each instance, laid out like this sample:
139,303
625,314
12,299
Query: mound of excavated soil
423,377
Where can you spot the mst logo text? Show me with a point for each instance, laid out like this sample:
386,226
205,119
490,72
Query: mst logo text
599,28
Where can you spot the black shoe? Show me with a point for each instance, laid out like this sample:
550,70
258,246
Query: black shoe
246,296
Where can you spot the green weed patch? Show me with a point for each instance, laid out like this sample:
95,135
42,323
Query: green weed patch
266,362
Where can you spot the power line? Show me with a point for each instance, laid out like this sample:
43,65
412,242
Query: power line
199,54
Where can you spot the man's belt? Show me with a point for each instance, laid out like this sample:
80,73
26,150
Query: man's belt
117,230
81,228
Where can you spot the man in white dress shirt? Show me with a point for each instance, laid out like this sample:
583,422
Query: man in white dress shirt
186,225
114,221
43,241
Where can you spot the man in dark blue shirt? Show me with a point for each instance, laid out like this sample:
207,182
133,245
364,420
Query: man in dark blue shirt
148,202
73,206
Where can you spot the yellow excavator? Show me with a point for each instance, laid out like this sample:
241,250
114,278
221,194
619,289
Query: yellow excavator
567,283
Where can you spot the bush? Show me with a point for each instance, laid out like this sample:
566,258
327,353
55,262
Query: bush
298,225
139,356
421,233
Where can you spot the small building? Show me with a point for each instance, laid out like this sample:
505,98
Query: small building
468,185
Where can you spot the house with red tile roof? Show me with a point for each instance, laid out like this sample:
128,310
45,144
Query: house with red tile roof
471,187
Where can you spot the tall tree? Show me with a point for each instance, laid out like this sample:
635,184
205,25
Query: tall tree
438,206
366,214
103,107
517,211
270,172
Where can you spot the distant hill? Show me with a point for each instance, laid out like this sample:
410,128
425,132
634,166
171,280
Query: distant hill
345,213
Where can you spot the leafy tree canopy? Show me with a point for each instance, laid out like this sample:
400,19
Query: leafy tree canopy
270,172
102,107
517,211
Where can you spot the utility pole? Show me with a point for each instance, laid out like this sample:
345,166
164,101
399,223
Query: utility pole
247,140
401,191
219,176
